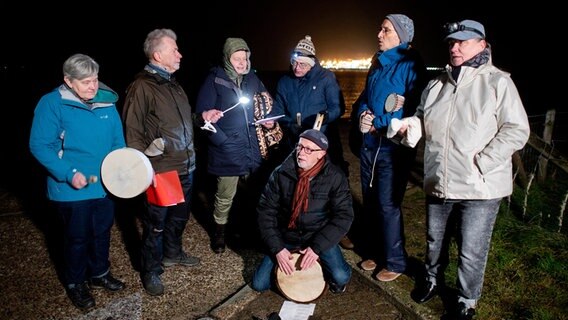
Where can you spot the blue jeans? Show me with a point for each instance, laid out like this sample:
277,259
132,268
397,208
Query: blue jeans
163,229
335,269
475,221
383,181
87,226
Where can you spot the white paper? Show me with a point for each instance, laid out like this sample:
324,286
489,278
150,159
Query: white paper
296,311
261,121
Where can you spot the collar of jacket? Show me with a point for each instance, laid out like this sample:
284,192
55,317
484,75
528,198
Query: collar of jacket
152,68
393,54
310,74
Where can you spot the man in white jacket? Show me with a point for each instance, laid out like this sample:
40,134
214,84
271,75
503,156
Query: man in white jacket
473,120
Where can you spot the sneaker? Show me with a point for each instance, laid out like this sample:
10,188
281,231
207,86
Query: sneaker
182,259
368,265
107,282
334,288
80,296
153,284
346,243
385,275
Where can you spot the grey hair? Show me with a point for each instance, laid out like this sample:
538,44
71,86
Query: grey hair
79,67
154,40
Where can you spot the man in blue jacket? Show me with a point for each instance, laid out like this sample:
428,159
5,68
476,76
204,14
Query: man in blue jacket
303,93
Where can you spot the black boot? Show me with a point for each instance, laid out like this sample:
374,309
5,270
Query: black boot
218,243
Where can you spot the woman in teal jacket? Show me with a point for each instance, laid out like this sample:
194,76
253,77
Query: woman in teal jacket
74,127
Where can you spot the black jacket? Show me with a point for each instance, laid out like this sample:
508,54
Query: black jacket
233,150
327,220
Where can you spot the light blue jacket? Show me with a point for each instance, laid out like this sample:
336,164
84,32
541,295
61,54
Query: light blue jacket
68,135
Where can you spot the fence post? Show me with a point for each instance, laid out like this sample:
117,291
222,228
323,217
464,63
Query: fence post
547,137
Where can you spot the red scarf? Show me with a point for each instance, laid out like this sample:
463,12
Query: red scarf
302,191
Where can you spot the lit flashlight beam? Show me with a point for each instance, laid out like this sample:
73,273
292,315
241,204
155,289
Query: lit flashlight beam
208,126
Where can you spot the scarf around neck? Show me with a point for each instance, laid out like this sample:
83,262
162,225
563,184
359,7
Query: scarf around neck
302,191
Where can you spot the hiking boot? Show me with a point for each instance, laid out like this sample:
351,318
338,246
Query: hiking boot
80,296
218,243
153,284
107,282
183,259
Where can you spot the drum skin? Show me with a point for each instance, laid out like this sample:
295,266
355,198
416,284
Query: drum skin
302,286
126,172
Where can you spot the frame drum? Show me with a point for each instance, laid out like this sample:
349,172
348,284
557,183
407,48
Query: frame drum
393,101
126,172
303,285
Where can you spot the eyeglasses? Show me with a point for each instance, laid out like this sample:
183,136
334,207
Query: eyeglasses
452,27
300,65
307,150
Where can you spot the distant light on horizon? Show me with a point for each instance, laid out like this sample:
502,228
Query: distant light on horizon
357,64
351,64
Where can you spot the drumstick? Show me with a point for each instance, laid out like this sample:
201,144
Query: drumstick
319,121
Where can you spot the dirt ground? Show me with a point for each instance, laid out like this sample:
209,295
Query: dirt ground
30,260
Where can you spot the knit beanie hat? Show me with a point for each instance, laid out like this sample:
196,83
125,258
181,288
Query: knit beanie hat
403,26
305,51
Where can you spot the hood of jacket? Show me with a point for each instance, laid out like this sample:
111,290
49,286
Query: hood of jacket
231,46
104,97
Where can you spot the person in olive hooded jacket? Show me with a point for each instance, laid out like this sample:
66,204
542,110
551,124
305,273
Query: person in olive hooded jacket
233,149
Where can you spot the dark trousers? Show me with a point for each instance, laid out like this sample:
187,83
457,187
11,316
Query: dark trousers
163,229
384,175
87,226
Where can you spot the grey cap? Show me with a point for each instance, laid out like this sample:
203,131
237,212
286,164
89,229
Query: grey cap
316,137
465,30
403,26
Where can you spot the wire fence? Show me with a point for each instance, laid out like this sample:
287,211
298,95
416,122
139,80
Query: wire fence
541,173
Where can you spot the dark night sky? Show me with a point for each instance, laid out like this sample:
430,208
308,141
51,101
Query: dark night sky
38,43
36,39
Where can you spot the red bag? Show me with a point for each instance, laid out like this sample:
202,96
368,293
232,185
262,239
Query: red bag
165,190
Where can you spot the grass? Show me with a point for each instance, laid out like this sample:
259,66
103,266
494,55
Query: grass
527,270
